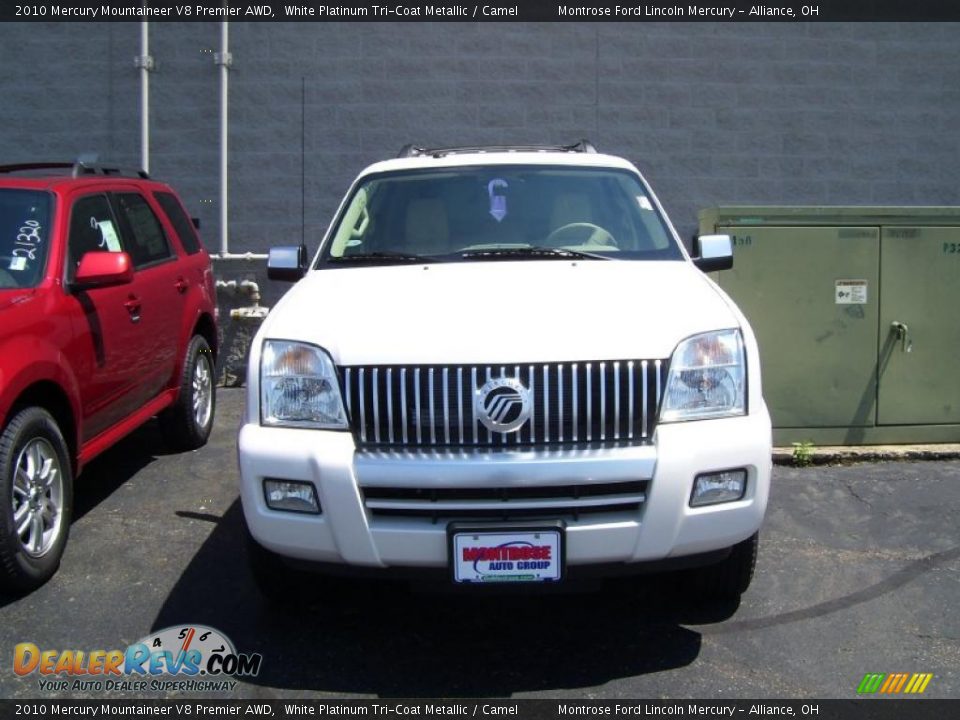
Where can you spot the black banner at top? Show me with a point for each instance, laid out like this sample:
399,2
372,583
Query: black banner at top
484,11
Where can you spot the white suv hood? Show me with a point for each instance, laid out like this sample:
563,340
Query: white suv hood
500,312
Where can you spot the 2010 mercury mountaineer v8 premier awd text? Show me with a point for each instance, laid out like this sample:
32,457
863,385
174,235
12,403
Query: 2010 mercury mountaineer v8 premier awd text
502,366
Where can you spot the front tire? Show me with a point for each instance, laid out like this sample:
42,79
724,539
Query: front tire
186,425
730,578
36,499
278,584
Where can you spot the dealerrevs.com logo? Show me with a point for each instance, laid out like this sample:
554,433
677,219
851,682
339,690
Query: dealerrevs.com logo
185,658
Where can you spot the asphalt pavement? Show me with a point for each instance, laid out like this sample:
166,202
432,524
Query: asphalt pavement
858,573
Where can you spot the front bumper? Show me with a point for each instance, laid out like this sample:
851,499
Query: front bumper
665,526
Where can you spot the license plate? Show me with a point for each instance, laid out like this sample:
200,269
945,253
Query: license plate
521,555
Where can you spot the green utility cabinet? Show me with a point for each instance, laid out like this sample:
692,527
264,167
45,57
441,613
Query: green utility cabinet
857,313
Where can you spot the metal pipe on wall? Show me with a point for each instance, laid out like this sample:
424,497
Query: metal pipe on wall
224,60
145,63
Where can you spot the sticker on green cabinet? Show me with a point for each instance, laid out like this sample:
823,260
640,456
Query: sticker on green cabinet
851,292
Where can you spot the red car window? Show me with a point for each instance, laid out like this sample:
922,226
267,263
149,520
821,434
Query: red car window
181,223
147,241
24,227
92,229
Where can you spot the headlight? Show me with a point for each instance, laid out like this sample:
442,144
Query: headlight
707,378
298,387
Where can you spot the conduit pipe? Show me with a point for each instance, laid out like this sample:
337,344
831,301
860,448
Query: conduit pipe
144,61
224,59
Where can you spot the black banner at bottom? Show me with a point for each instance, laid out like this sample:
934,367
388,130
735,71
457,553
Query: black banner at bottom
859,709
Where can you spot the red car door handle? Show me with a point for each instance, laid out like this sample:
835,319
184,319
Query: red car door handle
133,307
181,285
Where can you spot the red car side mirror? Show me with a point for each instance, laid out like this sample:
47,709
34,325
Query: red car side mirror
100,269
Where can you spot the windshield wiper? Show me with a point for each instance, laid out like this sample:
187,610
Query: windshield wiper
534,252
382,256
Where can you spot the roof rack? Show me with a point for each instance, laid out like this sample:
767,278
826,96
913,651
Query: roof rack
583,146
77,169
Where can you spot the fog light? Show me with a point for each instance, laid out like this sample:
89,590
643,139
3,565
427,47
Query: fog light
291,496
720,487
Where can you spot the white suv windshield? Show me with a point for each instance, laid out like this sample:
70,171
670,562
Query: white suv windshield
499,212
24,228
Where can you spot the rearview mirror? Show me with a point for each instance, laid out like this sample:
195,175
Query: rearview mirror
287,262
713,252
101,269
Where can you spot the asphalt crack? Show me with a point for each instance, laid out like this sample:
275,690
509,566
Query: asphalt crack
848,485
889,584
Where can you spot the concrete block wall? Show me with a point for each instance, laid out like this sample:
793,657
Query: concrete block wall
713,113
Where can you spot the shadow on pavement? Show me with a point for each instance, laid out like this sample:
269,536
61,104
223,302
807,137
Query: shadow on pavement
108,472
379,638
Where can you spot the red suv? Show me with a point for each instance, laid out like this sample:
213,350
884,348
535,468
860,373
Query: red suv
107,318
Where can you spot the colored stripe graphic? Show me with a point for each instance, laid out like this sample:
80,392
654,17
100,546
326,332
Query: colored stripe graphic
918,683
894,683
870,683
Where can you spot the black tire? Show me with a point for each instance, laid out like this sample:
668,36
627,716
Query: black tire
277,583
31,494
729,579
183,424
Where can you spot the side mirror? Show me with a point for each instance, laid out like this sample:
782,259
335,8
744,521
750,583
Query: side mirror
102,269
287,262
713,252
196,223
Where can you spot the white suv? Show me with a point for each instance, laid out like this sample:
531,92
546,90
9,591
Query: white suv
503,367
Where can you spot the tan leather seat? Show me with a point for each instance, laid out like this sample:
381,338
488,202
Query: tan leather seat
570,208
427,227
576,209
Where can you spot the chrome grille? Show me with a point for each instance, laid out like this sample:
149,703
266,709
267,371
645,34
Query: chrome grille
572,403
506,503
